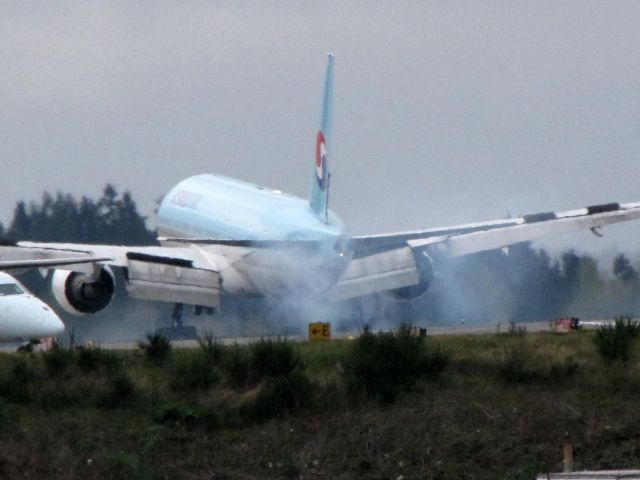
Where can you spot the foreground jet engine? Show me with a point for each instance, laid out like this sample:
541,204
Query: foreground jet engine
82,293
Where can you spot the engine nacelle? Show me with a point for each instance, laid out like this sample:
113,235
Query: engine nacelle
406,294
78,294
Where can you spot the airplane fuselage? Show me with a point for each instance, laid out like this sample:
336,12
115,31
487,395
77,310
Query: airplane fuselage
23,316
222,208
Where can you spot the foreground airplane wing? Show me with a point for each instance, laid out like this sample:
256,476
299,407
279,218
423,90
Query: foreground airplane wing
6,265
177,275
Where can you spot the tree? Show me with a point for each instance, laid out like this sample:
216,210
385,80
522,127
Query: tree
623,270
20,227
110,220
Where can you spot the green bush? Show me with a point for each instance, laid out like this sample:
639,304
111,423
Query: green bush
518,366
14,384
175,414
58,359
237,367
516,330
559,372
382,365
90,359
613,342
157,346
120,389
274,358
212,348
266,359
521,364
279,395
631,326
6,416
195,371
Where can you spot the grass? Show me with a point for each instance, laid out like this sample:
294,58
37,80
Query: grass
500,407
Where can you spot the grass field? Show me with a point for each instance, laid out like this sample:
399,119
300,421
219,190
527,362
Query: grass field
484,406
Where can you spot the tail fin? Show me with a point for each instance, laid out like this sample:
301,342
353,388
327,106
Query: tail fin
319,192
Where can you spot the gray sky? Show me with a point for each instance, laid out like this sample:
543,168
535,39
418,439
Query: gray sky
446,112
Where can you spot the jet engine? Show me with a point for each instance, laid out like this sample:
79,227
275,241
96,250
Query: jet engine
80,293
411,292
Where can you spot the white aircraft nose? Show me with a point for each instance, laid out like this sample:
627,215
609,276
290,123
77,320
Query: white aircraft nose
51,325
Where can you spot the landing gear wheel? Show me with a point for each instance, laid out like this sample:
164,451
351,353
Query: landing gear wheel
178,331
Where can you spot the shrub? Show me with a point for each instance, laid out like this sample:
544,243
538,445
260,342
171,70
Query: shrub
383,364
157,346
518,366
516,330
120,389
89,359
631,326
237,367
613,342
194,372
176,413
5,415
211,347
57,360
279,395
521,364
563,371
14,384
273,358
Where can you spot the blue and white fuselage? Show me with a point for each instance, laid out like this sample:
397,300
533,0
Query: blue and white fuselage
221,208
218,207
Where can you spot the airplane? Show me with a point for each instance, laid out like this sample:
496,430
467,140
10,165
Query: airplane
223,237
23,316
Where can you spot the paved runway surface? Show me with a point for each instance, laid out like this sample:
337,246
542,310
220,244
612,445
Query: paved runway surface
447,330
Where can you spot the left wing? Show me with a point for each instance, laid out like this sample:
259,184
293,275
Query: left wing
477,237
398,260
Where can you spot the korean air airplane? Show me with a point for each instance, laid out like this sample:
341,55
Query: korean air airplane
224,237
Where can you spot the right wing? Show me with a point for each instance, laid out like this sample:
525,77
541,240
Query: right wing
50,263
187,274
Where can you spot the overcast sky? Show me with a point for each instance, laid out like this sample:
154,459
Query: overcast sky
445,112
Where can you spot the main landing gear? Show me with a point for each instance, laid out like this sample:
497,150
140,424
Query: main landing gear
178,330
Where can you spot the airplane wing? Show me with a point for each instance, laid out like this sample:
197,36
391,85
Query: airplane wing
478,237
392,261
169,274
49,263
14,258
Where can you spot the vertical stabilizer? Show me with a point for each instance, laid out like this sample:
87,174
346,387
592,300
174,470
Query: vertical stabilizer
319,193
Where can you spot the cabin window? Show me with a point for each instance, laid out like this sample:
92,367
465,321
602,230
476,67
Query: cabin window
10,289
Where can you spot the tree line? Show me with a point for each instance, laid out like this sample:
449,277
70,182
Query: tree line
112,219
521,284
